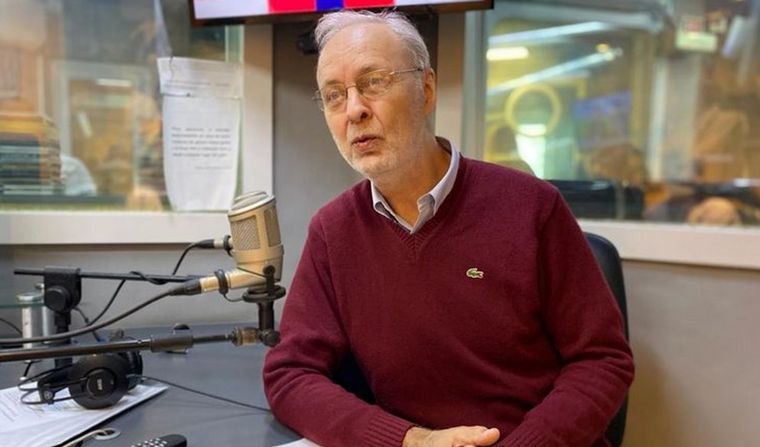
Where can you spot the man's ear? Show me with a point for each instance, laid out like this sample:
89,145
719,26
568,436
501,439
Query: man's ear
429,88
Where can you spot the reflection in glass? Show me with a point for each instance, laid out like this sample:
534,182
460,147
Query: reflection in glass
662,120
80,118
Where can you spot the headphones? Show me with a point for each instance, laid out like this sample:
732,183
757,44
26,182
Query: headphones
94,381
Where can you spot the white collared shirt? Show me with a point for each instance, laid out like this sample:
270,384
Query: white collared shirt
429,202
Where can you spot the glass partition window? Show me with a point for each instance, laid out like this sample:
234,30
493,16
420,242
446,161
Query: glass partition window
80,114
641,116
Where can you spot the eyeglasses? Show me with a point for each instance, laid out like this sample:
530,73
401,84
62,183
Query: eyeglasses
372,85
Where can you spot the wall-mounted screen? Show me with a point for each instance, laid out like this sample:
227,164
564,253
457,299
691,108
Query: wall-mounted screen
214,12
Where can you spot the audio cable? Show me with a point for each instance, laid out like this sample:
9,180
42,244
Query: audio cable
87,329
206,243
30,390
101,434
110,301
87,322
182,257
202,393
11,325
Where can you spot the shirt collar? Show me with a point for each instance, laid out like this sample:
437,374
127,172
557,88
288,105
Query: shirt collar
436,195
443,187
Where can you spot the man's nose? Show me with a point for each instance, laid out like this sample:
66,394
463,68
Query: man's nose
357,108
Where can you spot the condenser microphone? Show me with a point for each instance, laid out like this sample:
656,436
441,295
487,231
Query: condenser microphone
255,233
257,247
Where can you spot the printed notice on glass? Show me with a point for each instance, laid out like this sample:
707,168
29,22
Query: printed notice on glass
182,76
201,124
201,145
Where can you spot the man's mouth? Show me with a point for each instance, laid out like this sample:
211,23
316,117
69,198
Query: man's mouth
364,142
362,138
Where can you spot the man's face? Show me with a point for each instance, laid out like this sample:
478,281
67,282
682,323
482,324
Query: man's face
376,136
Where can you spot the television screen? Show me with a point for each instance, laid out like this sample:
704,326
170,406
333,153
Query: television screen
215,12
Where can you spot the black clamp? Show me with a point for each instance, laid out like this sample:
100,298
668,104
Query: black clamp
221,277
227,245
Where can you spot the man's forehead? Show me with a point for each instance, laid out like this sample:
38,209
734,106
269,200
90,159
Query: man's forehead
359,49
362,33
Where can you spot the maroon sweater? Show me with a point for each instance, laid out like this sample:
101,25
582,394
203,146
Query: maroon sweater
534,347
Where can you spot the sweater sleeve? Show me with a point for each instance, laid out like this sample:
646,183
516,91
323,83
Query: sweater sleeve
585,325
297,372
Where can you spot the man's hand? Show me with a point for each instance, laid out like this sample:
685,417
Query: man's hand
463,436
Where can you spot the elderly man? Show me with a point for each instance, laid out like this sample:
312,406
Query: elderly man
464,290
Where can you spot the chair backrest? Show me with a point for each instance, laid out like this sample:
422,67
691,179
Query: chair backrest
609,261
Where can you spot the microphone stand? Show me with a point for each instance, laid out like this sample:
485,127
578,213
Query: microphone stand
99,275
63,292
264,297
155,343
64,285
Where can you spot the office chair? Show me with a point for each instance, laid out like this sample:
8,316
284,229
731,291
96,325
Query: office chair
352,379
609,261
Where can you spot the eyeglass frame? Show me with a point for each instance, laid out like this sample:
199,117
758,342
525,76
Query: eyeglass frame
317,97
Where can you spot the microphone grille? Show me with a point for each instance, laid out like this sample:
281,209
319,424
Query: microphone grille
245,233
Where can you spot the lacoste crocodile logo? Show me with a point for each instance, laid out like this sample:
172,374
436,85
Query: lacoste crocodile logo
474,273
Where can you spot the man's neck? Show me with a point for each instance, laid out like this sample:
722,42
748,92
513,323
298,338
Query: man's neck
402,192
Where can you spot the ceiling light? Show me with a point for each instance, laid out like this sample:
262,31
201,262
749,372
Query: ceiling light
507,53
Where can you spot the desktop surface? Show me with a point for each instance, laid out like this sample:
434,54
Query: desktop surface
219,368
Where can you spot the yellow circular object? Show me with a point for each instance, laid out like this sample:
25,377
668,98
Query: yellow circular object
512,101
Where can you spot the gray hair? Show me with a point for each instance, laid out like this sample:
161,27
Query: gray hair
331,23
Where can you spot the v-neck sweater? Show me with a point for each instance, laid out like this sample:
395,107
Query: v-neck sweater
494,313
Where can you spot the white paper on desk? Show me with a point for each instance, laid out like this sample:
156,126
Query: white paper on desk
201,146
182,76
48,425
303,442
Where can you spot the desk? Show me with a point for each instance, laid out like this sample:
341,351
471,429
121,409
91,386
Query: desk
219,368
